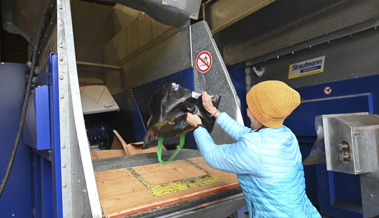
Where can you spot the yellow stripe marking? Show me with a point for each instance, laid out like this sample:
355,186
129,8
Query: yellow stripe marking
176,186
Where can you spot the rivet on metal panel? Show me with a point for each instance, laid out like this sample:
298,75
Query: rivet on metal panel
62,96
372,195
64,166
63,146
78,181
61,77
61,59
64,185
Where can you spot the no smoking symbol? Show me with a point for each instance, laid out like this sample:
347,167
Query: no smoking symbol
328,90
203,61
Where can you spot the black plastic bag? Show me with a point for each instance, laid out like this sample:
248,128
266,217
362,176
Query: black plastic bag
169,107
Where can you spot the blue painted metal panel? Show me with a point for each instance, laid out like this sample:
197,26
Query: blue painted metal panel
37,200
42,191
36,131
138,124
16,200
336,194
52,71
46,179
50,176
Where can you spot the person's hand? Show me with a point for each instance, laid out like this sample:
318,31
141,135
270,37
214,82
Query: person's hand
207,103
193,119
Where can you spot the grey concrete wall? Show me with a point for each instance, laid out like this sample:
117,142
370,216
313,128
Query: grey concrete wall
93,26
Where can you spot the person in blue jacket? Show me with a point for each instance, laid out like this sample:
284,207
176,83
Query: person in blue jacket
265,157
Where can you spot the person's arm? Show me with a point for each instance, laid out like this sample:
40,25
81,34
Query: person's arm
230,126
241,157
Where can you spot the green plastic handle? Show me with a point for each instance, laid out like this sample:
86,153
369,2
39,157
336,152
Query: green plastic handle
159,151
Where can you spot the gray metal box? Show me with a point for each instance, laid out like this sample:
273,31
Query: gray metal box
351,142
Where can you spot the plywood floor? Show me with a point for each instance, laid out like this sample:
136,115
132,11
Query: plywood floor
132,190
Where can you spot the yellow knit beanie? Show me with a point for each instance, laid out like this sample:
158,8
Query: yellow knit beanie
271,102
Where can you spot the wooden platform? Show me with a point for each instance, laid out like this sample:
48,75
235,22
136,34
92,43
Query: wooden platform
132,190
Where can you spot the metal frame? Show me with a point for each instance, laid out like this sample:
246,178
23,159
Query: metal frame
216,80
76,164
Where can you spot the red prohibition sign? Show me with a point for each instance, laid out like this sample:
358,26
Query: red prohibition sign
328,90
203,61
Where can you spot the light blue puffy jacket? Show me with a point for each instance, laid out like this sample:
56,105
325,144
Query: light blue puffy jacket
268,166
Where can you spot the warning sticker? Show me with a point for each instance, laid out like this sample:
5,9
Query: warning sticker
327,90
305,68
203,61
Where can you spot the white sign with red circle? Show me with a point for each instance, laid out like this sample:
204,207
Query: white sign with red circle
203,61
328,90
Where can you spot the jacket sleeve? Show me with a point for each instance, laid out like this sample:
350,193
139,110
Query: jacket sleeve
232,127
241,157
